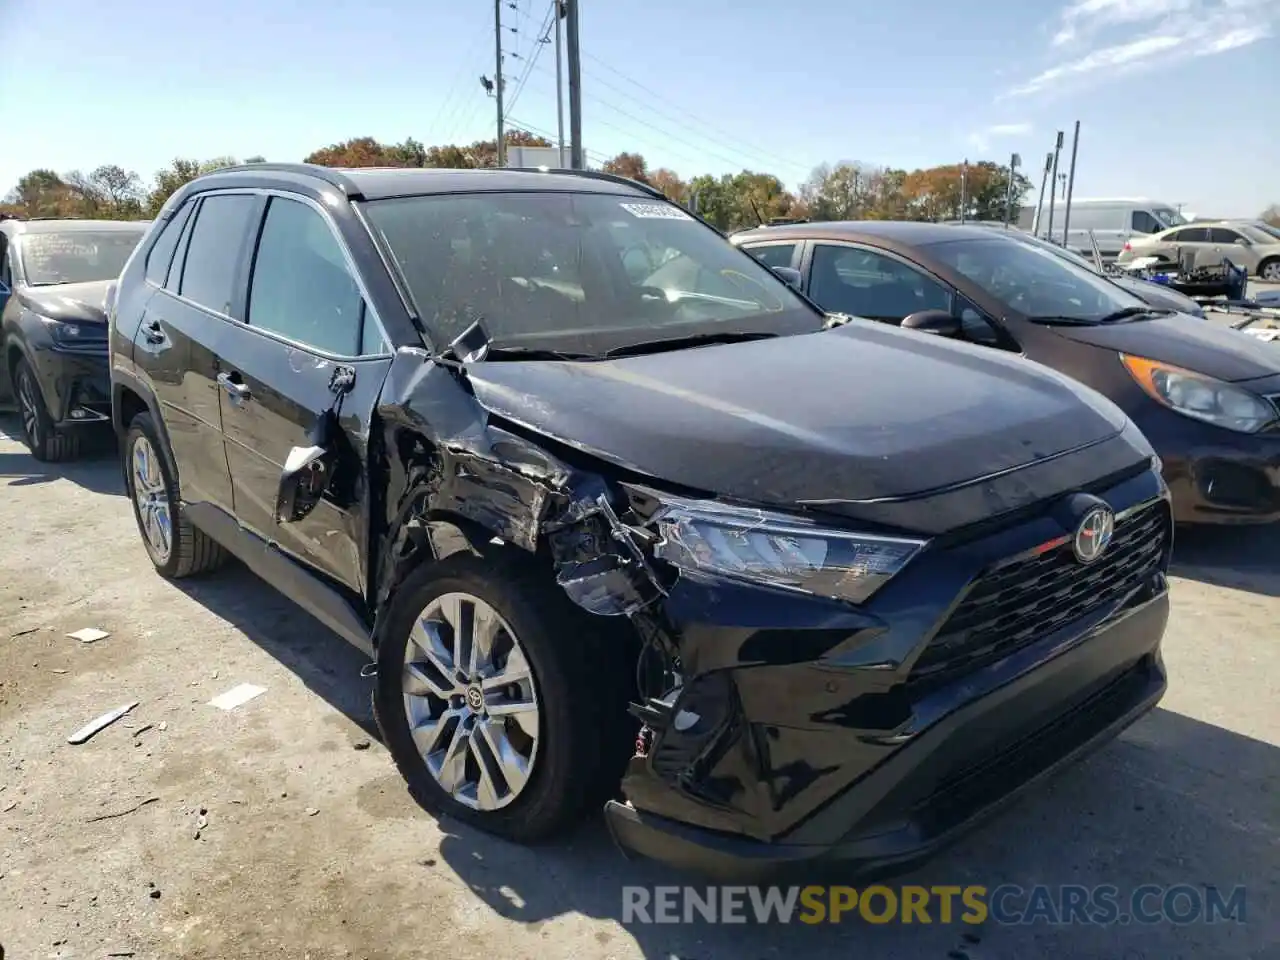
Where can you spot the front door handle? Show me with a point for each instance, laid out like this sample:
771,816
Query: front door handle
153,333
231,383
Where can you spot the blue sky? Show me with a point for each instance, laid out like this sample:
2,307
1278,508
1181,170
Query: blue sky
698,87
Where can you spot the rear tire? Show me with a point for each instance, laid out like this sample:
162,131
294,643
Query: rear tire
579,685
176,547
38,430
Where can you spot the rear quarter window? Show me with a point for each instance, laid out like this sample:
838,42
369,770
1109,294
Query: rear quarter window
160,257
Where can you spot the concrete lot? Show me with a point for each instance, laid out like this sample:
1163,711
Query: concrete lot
311,847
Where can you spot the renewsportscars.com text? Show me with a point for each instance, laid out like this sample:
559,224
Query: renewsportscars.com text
1007,904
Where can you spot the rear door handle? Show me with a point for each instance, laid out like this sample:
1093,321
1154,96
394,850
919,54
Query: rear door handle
231,383
153,333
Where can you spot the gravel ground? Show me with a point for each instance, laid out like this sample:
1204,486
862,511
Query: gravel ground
281,830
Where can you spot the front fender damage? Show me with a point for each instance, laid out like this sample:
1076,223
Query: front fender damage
460,478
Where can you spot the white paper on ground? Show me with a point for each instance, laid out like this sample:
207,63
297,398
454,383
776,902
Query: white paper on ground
237,696
88,635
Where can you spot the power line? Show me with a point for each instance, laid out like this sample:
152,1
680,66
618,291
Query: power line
458,78
540,43
744,146
701,149
591,154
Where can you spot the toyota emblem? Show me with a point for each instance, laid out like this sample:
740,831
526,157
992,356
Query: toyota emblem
1094,534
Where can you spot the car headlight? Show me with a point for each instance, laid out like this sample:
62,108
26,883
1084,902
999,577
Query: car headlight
791,553
1203,398
66,332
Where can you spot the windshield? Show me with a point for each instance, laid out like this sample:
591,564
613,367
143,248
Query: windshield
1260,232
1056,250
1040,284
577,272
1169,217
77,256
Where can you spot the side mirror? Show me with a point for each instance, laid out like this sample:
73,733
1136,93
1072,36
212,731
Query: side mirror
302,482
1243,241
938,322
792,277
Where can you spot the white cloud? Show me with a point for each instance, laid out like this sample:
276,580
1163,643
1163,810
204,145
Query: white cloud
981,139
1120,36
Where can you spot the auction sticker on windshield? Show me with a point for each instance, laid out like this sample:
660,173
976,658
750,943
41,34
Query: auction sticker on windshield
655,211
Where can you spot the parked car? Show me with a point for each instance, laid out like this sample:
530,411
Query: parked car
1207,396
797,588
1148,291
54,276
1113,222
1208,244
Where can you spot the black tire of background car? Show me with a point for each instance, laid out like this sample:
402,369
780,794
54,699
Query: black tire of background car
582,673
45,443
193,551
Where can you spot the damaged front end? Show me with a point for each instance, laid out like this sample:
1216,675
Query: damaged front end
800,687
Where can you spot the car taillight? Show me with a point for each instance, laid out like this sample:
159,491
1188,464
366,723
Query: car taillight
1128,245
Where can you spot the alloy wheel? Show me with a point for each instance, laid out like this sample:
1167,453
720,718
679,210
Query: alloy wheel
152,499
29,407
1271,271
471,702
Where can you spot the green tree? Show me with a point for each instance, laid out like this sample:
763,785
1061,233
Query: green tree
180,172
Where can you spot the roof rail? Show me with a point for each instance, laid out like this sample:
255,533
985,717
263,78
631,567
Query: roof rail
600,175
330,175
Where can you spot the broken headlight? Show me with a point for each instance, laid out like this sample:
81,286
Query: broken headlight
759,546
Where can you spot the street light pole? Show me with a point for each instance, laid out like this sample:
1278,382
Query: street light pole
560,12
1071,183
575,85
501,142
1057,149
1014,161
1044,177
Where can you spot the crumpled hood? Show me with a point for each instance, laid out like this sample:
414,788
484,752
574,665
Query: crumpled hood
861,412
1186,342
70,302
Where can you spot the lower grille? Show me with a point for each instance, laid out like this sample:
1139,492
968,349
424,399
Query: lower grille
1030,598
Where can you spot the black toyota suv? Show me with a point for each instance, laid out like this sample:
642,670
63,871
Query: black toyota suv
54,278
621,517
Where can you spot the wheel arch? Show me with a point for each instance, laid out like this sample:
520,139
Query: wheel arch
130,397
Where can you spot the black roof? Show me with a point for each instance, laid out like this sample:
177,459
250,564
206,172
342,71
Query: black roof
908,232
378,183
15,227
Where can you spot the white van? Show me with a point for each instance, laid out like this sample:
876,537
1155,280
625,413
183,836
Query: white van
1113,222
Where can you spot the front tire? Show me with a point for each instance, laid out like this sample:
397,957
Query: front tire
38,430
1269,270
177,548
502,705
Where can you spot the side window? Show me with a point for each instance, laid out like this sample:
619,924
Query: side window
1190,235
869,284
1223,235
161,254
6,271
1143,222
301,287
774,254
213,252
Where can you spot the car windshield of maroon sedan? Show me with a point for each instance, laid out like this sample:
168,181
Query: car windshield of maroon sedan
1040,284
77,256
584,274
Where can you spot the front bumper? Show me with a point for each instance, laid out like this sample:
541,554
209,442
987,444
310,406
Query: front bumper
75,383
1216,476
823,744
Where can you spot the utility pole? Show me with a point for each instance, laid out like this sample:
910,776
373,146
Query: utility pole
575,85
1014,160
1044,177
497,80
1071,184
964,187
1057,149
560,12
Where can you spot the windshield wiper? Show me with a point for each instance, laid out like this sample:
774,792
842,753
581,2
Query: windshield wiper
679,343
533,353
1051,319
1128,312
